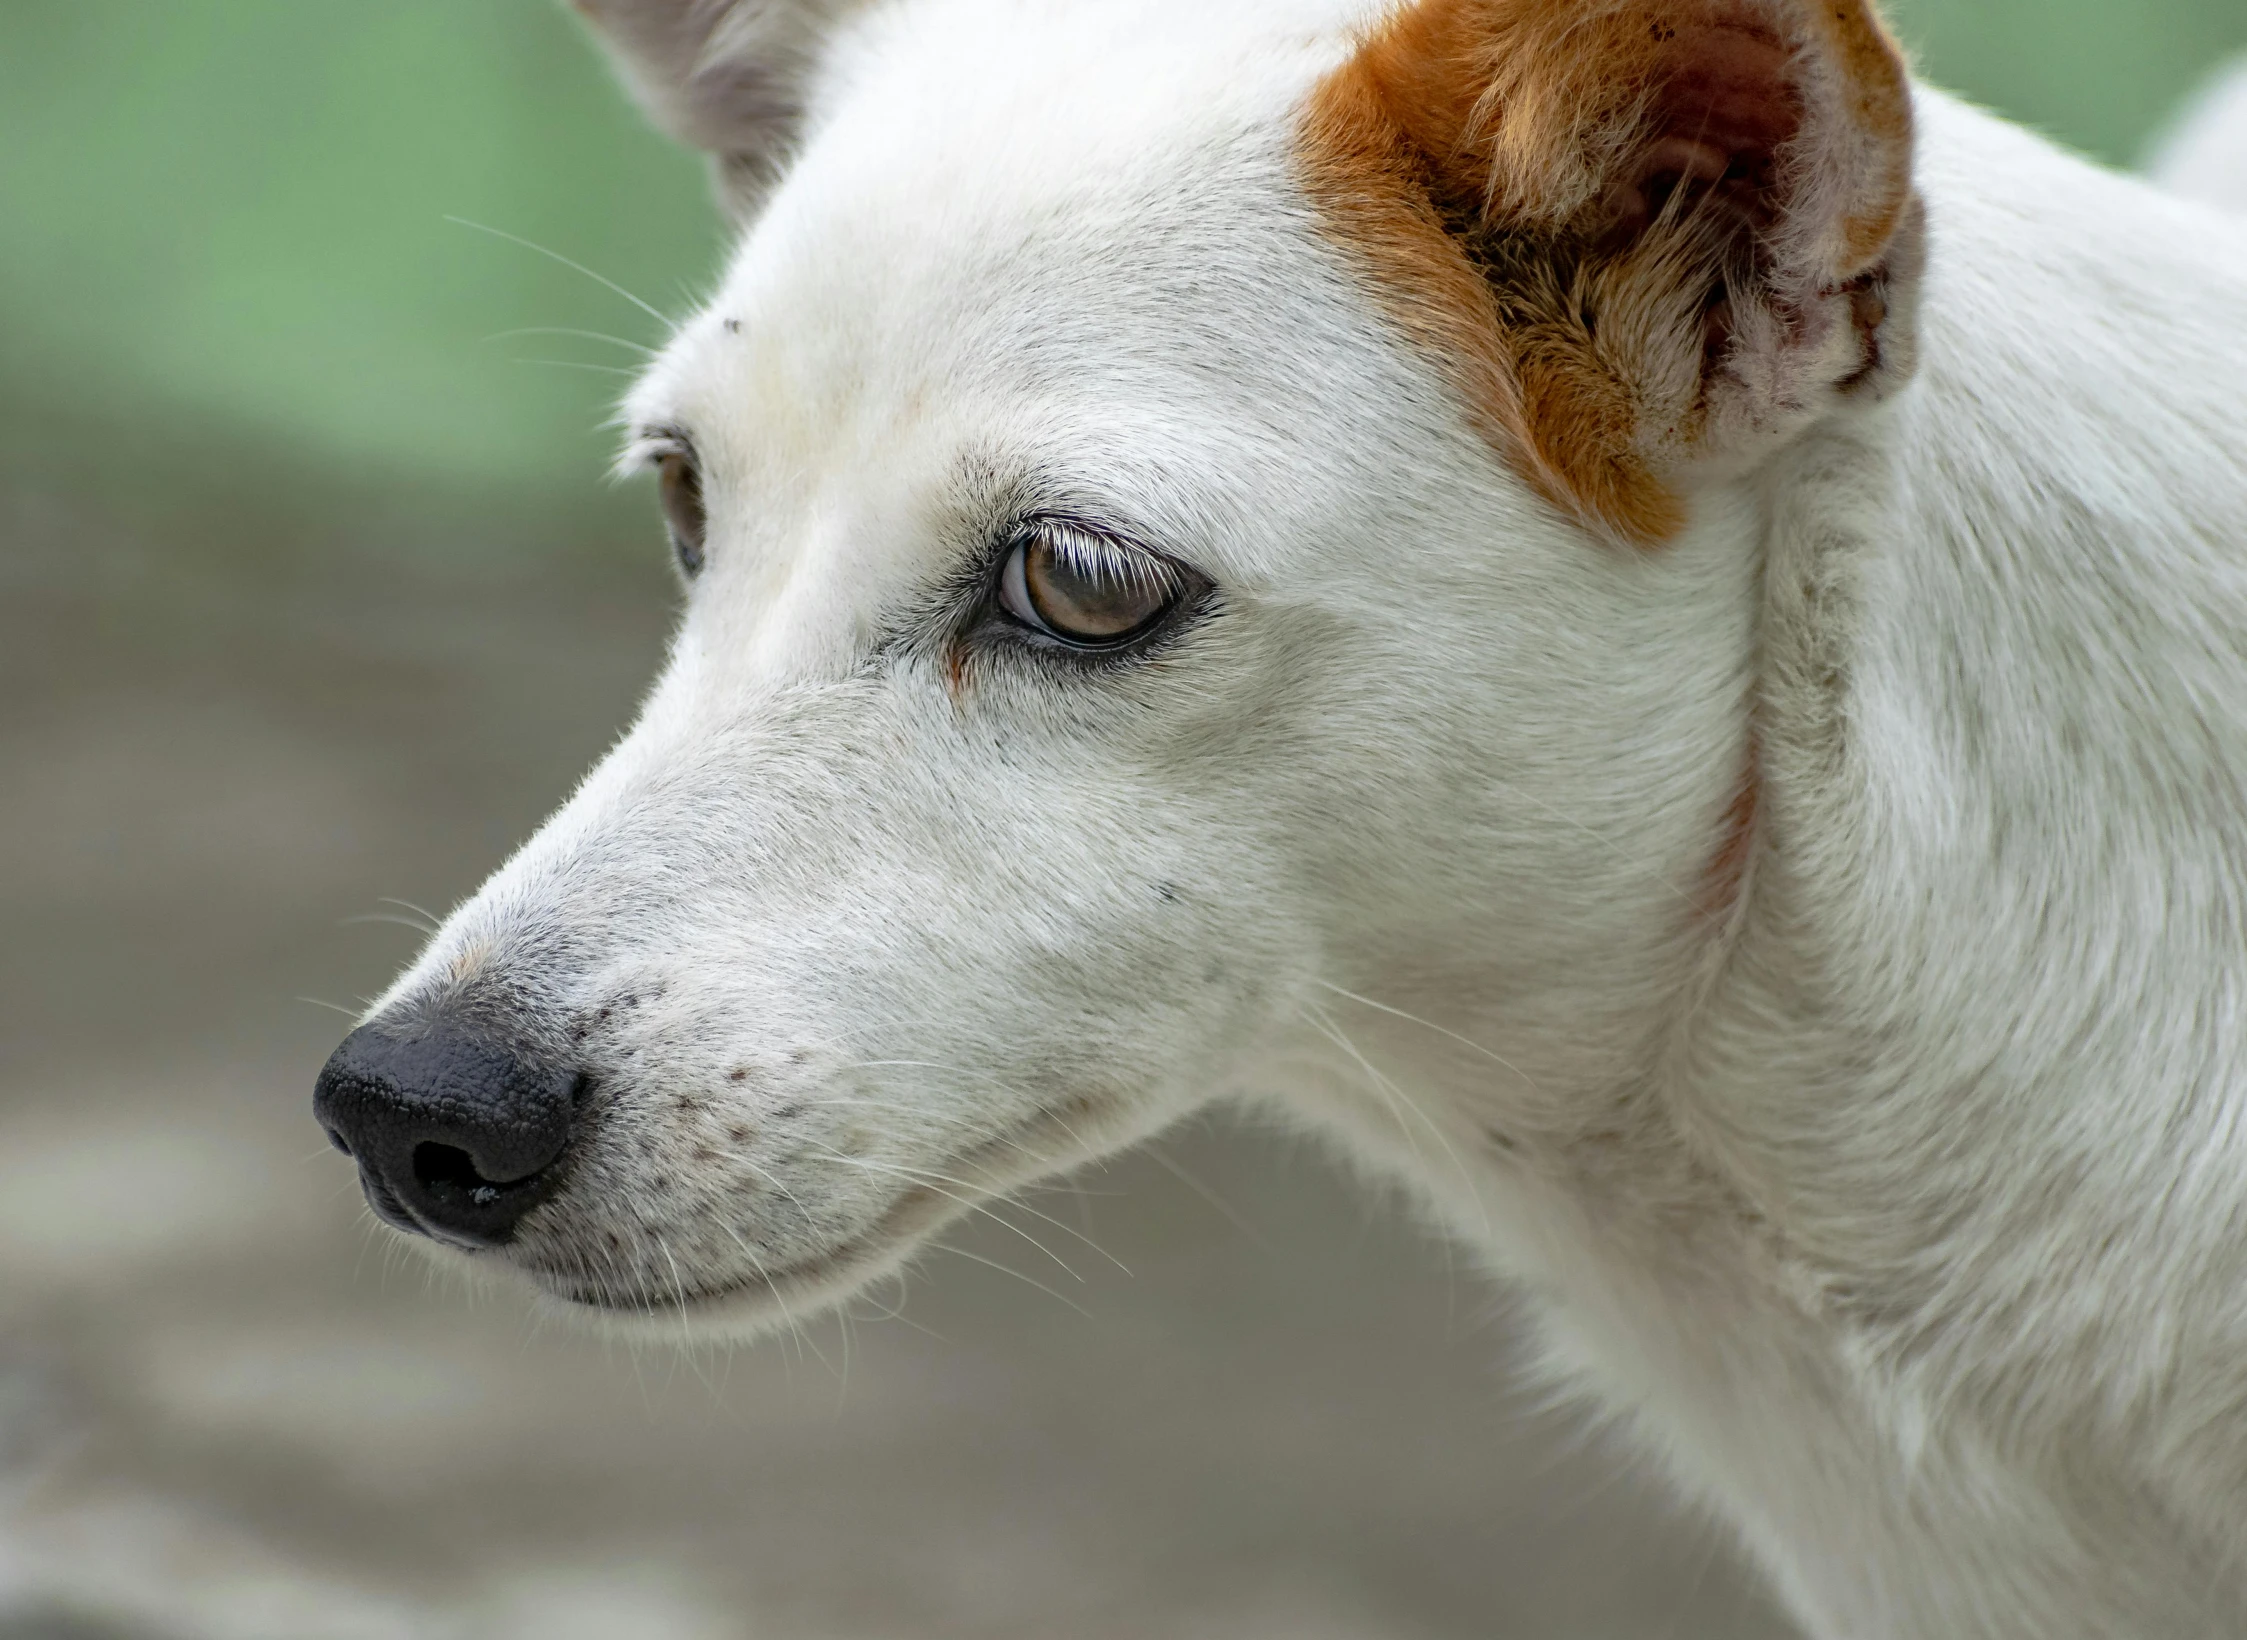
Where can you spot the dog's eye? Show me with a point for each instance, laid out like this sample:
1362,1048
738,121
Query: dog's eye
1083,588
680,486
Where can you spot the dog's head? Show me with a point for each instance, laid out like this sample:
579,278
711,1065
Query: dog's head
1194,519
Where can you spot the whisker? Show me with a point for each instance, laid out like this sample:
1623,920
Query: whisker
1383,1007
1333,1033
929,1176
1008,1269
772,1179
578,267
367,1228
1070,1128
927,1182
678,1282
1394,1097
390,917
796,1331
1061,1225
579,364
897,1313
564,330
321,1002
1217,1203
1398,1096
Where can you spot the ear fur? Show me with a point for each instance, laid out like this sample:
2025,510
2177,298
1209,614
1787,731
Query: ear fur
725,76
1643,235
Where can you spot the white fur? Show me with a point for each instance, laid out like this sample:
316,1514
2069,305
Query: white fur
2204,156
1903,1203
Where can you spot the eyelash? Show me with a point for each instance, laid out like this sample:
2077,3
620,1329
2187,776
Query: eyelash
990,628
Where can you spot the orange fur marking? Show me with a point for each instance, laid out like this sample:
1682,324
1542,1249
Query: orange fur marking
1556,197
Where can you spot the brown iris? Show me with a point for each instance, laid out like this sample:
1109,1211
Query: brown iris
679,484
1083,588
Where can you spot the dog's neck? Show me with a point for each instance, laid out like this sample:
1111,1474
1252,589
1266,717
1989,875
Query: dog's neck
1897,1121
1997,725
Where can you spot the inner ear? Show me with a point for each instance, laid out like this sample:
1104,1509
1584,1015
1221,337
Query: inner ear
1723,112
1647,239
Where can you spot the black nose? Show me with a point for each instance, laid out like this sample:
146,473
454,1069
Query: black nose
454,1138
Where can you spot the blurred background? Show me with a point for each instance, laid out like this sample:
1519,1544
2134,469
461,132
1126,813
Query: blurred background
313,600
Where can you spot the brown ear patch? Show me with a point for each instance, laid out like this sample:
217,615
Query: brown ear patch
1568,204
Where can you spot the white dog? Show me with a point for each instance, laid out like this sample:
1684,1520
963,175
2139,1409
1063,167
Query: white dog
1600,597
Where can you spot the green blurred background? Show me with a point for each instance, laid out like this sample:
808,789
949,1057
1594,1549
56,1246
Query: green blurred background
226,229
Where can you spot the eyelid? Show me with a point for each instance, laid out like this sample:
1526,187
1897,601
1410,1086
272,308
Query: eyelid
1097,549
648,445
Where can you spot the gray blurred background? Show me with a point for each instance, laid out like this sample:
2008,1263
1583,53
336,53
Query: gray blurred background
312,601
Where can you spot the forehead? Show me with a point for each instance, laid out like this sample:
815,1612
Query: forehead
1010,211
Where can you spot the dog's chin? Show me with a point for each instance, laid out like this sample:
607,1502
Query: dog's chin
745,1300
742,1303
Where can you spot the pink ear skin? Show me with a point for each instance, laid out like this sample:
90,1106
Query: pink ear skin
1686,221
1718,121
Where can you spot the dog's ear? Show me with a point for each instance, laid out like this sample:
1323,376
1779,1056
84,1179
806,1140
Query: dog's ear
725,76
1647,237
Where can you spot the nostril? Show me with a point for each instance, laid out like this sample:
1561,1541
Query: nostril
337,1139
436,1164
443,1170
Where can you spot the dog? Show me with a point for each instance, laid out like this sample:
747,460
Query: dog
1608,601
